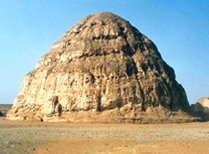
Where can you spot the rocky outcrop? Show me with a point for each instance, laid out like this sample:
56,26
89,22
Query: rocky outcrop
102,70
1,114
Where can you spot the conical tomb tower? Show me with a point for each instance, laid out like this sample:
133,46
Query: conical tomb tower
102,70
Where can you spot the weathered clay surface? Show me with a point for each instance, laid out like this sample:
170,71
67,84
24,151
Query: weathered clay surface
102,70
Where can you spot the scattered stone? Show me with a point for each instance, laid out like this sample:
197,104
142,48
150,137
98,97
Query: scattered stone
12,145
102,70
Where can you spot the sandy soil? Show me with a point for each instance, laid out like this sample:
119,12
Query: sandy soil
67,138
89,146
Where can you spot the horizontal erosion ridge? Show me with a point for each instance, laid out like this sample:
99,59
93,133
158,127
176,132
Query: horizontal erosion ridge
104,53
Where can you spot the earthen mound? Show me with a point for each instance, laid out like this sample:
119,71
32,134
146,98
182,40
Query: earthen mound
4,108
102,70
201,108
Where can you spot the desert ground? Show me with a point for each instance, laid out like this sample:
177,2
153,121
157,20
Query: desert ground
68,138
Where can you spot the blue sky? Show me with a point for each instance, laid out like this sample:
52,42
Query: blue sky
179,28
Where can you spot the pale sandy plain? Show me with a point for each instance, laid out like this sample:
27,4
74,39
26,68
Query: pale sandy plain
68,138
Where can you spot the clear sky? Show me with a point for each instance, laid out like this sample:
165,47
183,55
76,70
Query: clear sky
179,28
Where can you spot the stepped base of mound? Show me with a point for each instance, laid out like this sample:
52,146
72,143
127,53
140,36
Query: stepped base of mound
151,115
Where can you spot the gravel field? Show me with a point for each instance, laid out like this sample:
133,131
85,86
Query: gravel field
24,137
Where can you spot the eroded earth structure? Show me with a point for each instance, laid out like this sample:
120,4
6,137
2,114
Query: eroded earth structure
102,70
